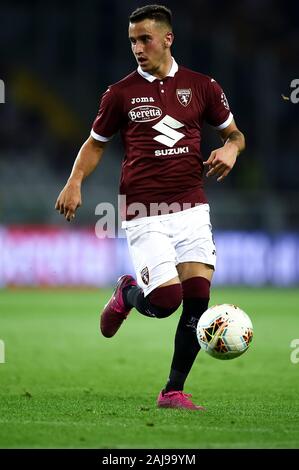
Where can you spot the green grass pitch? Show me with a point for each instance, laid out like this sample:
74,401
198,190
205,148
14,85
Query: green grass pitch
65,386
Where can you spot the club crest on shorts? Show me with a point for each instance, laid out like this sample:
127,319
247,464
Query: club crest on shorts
145,275
184,95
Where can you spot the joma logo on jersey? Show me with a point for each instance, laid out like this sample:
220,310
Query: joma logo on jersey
177,151
142,99
145,113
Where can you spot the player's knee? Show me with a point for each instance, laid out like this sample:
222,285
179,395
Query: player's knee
166,300
196,288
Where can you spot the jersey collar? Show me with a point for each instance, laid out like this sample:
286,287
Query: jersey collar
151,78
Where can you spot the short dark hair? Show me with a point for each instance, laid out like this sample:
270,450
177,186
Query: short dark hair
152,12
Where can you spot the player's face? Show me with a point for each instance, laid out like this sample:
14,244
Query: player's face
150,42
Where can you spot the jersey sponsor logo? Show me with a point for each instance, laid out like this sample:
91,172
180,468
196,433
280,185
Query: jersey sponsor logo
176,151
169,136
145,113
142,99
184,95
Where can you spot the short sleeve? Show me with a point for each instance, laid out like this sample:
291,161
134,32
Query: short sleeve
217,111
109,117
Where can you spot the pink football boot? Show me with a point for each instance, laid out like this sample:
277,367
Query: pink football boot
115,311
177,399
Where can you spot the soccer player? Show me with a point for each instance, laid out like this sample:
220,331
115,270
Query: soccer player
159,110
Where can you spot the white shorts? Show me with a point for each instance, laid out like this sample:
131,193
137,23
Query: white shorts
158,243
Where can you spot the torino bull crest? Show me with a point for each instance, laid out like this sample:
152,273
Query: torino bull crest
184,96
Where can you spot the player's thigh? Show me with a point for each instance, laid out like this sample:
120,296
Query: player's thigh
194,243
153,256
194,269
174,280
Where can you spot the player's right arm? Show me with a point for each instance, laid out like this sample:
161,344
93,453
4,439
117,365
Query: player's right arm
108,121
87,160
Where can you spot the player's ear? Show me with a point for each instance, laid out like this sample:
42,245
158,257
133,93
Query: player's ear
168,39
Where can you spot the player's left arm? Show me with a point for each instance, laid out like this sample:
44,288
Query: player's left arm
222,160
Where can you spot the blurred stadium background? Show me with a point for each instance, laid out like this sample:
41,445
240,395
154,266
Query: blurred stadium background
58,57
63,385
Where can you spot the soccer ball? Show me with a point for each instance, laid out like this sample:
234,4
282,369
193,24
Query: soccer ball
224,331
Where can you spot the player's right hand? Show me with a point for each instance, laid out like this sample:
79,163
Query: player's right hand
69,200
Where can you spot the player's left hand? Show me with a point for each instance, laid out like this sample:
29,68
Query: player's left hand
221,161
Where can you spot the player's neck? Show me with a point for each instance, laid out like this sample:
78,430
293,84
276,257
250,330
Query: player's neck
164,68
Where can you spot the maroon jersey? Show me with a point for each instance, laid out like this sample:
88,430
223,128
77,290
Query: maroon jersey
160,123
